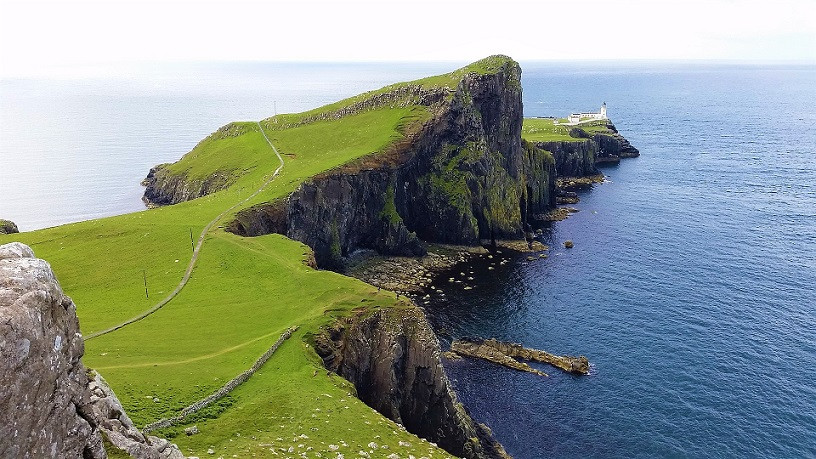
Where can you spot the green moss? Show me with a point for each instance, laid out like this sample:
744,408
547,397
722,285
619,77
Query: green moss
389,212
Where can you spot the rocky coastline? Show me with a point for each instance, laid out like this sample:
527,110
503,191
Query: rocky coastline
462,185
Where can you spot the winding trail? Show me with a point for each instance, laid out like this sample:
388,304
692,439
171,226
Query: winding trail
197,250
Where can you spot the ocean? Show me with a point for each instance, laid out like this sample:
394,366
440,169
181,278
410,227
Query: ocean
691,286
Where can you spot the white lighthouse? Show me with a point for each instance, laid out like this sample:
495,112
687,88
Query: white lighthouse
603,111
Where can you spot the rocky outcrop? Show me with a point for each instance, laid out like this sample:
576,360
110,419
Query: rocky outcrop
44,401
48,405
163,187
580,157
8,227
491,354
393,359
462,177
120,431
614,145
505,354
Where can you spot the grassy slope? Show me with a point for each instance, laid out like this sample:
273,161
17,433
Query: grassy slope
243,293
544,130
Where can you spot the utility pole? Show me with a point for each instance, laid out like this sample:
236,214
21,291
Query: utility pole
144,276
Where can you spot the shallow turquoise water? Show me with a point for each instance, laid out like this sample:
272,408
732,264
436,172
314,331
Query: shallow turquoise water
690,287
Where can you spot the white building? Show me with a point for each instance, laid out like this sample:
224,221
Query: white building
577,118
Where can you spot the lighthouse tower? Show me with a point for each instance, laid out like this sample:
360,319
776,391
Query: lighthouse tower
603,111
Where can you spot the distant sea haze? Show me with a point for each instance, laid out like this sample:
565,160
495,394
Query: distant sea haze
690,287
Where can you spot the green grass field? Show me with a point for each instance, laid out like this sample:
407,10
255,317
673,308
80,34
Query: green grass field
243,293
545,130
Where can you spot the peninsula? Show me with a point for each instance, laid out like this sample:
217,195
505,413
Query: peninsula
246,246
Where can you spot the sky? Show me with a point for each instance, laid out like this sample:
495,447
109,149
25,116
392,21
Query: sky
45,38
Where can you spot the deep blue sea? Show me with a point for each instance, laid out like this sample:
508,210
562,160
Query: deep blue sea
691,286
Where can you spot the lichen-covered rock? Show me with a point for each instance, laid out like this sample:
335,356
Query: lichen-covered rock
393,359
44,400
8,227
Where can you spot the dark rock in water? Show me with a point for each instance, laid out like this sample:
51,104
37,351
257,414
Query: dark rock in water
499,352
48,405
44,401
491,354
393,359
8,227
614,145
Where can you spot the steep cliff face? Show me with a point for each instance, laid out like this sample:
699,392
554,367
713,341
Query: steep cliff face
465,176
580,158
393,359
613,145
44,401
163,187
572,159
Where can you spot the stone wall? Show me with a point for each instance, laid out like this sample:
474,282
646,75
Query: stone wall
224,390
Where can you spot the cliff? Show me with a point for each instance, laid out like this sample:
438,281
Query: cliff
585,147
393,359
463,177
163,187
48,405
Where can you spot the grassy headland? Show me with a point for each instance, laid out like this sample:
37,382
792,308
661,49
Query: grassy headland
545,130
243,293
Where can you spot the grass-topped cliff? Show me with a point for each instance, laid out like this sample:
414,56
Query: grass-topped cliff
455,133
578,149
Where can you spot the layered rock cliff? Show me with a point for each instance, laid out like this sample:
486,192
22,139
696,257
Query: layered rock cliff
465,176
580,158
393,359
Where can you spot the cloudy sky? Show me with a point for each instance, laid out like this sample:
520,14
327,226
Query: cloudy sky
44,37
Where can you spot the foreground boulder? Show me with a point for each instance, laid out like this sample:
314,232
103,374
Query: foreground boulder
48,405
44,399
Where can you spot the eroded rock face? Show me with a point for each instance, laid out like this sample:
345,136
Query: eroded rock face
8,227
393,359
44,408
463,177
